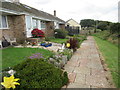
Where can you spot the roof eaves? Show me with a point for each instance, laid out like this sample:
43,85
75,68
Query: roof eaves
10,11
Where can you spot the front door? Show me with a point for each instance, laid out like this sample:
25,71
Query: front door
28,26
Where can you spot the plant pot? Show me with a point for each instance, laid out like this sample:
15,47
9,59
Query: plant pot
48,45
43,44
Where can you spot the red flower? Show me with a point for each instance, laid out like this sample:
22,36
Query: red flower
37,33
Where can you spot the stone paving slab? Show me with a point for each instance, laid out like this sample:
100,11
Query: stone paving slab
71,77
69,69
80,78
82,70
97,81
85,68
76,85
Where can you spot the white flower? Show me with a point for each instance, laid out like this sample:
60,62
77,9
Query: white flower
63,46
55,32
11,72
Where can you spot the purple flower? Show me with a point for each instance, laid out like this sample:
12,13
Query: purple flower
36,56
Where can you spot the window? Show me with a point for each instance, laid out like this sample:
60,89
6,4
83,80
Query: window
56,25
43,25
3,22
38,24
34,23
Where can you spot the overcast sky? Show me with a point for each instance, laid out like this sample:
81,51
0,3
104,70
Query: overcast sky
106,10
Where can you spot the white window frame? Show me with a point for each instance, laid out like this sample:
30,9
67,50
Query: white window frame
41,25
6,22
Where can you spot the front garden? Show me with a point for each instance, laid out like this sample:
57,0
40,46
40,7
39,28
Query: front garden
37,67
14,56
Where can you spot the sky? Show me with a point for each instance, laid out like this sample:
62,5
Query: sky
106,10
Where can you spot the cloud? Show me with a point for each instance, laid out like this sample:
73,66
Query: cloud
78,9
43,2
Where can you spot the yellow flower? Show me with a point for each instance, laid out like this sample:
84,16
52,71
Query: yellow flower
68,45
10,82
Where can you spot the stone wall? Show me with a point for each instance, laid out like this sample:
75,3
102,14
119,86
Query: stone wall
19,28
49,32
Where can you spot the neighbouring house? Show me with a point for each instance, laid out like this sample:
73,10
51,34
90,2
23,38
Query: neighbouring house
72,27
18,20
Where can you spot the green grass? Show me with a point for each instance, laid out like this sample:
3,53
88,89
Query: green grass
58,40
13,56
110,53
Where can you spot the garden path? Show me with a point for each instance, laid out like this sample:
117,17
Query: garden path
85,69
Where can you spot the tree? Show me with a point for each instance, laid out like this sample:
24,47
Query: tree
102,25
87,23
115,28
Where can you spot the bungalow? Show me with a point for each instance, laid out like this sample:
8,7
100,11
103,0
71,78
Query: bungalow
73,27
18,20
72,23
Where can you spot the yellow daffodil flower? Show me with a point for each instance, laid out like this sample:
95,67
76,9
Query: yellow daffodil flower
68,45
10,82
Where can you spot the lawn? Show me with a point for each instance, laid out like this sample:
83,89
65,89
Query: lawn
110,53
58,40
13,56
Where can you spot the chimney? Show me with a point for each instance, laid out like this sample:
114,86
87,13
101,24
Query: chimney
55,13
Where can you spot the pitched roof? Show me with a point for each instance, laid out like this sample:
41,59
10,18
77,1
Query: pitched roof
22,8
72,22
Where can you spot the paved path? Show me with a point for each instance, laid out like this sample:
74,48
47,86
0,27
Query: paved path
85,69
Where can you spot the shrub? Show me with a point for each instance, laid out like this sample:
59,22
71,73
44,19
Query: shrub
37,33
74,43
37,73
67,52
60,33
115,28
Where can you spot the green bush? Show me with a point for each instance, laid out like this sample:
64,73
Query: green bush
60,33
37,73
67,52
74,43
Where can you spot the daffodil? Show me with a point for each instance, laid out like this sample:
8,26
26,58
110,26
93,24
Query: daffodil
10,82
68,45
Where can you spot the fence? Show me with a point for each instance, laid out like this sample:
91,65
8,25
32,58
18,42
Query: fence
72,30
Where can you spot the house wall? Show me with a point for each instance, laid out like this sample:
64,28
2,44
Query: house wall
49,32
19,28
9,31
16,27
62,26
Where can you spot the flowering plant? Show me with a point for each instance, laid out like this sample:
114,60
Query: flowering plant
10,82
36,56
68,45
37,33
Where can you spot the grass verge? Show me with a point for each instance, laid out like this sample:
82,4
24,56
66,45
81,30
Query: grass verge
110,53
